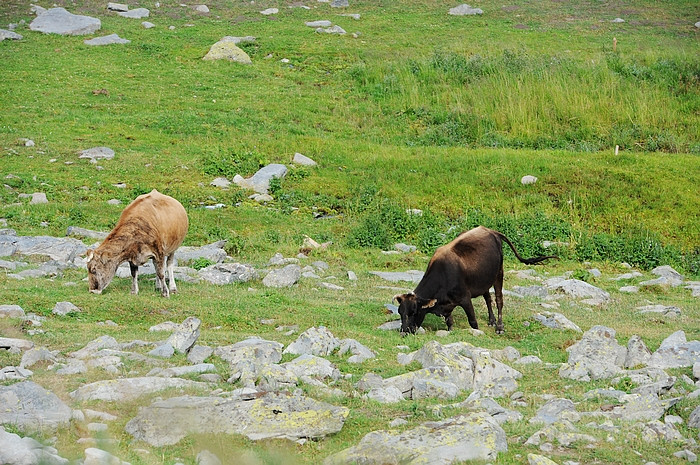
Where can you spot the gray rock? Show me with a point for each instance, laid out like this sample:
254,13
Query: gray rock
332,30
411,275
696,370
317,24
128,389
82,232
10,373
474,436
38,198
220,182
94,346
668,311
656,430
490,406
248,358
60,21
314,341
535,459
340,3
106,40
405,248
266,416
694,418
283,277
538,292
94,456
117,6
15,345
226,49
5,34
637,353
555,411
213,252
64,308
466,10
60,249
228,273
577,289
641,407
360,353
385,395
15,450
694,287
528,179
618,20
605,393
556,321
269,11
137,13
687,454
311,365
206,457
630,289
433,388
11,311
676,352
529,360
162,351
148,25
100,153
36,355
625,276
201,9
260,181
596,356
198,354
187,370
185,335
73,367
563,432
29,407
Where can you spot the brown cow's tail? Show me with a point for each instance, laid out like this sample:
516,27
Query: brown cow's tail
527,261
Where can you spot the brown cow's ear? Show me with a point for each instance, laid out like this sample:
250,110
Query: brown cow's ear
89,254
431,303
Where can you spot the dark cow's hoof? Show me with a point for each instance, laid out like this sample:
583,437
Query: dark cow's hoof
500,330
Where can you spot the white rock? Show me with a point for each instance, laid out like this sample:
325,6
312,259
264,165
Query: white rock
464,9
269,11
300,159
117,6
525,180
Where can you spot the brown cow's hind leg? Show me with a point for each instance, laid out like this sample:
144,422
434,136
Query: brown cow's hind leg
134,278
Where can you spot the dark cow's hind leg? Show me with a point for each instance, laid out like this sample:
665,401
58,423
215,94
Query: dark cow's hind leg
492,318
498,291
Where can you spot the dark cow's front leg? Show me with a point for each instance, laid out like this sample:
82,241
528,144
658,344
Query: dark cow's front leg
498,291
134,278
492,318
466,304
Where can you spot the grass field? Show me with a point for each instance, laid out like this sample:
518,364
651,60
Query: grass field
420,110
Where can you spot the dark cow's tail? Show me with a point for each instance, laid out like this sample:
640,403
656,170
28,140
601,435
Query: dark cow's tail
527,261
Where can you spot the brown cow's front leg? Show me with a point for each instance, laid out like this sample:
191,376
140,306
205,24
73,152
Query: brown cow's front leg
160,276
134,278
498,291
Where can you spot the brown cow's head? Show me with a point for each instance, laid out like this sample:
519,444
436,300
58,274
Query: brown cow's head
100,271
412,310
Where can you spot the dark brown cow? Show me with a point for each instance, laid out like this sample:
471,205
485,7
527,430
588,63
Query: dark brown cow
465,268
151,227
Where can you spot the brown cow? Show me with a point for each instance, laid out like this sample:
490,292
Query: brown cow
151,227
465,268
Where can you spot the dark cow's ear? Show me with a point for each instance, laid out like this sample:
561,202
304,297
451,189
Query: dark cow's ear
399,298
429,304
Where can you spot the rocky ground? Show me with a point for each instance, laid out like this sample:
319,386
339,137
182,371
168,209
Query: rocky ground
266,401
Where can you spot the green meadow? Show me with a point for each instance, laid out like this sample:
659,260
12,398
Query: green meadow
411,109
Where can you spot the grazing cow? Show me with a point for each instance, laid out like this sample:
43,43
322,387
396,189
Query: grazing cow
465,268
152,226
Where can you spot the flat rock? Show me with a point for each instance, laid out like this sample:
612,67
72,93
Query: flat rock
332,30
474,436
127,389
556,410
106,40
637,353
465,10
63,249
319,23
5,34
198,354
117,6
60,21
137,13
269,11
16,450
185,335
260,181
64,308
213,252
268,416
413,276
303,160
577,289
360,353
668,311
228,273
641,407
29,407
13,344
11,311
676,352
528,179
556,321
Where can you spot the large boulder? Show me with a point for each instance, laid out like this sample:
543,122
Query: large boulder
30,407
228,273
577,289
676,352
186,334
127,389
314,341
474,436
283,277
60,21
596,356
64,249
15,450
267,416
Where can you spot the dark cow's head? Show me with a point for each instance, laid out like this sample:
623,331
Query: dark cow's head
412,310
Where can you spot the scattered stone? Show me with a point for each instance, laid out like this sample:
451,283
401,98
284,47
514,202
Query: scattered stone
201,9
360,352
534,459
94,456
11,311
395,276
15,345
26,451
630,289
465,10
303,160
529,360
269,11
260,181
35,355
577,289
618,20
283,277
128,389
185,335
317,24
5,34
526,180
556,410
163,351
694,418
264,416
60,249
332,30
668,311
198,354
206,457
147,25
106,40
228,273
220,182
675,352
117,6
60,21
687,454
314,341
637,353
137,13
474,436
65,308
38,198
556,321
114,202
226,49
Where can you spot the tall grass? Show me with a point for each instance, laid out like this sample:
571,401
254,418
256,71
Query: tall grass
523,100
